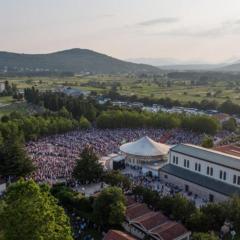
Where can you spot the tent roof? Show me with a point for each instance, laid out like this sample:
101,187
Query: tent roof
145,147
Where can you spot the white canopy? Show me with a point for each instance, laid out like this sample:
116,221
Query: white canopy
145,147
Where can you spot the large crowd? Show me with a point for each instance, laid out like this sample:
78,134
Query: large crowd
55,156
163,188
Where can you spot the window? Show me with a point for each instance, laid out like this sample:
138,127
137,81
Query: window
177,160
234,179
208,170
185,163
199,167
238,182
211,171
196,166
220,174
224,175
174,159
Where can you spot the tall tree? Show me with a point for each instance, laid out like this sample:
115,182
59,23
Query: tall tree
88,169
30,212
109,207
14,162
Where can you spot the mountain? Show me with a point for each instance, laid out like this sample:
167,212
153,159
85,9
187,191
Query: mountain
166,61
192,67
171,64
155,61
234,67
73,60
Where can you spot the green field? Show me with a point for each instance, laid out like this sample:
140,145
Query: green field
181,90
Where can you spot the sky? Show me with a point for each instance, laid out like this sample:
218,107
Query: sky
199,30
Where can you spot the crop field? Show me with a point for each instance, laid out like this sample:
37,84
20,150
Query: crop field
181,90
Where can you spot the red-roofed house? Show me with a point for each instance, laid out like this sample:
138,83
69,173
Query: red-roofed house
117,235
141,222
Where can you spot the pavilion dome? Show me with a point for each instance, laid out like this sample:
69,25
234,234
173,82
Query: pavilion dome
145,147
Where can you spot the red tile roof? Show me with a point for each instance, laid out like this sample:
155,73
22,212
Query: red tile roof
117,235
152,220
136,210
229,149
153,223
170,230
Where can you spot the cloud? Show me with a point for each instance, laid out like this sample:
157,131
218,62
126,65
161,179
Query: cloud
166,20
223,29
106,15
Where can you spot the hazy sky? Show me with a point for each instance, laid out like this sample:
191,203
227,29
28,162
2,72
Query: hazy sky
183,29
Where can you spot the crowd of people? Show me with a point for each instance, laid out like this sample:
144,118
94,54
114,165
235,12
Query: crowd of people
163,188
54,156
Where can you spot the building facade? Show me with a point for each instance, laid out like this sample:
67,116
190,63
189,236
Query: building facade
207,173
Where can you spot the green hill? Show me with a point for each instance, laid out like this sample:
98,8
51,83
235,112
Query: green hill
73,60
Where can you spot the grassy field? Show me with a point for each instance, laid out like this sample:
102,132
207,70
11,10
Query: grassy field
129,85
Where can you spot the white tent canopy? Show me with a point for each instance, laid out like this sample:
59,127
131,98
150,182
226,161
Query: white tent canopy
145,147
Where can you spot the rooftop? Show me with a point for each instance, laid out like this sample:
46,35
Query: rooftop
145,147
229,149
209,155
153,223
117,235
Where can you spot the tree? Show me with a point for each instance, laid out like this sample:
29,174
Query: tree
88,169
64,113
204,236
14,162
30,212
109,207
232,208
182,208
230,125
115,178
207,142
84,123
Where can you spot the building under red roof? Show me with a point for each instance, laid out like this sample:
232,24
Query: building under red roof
141,222
229,149
117,235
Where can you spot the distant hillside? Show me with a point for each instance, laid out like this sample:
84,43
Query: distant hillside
73,60
235,67
192,67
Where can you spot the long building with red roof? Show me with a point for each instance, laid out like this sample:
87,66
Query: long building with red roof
142,222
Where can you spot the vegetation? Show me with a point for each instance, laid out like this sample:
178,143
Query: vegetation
14,161
30,212
134,119
207,142
109,207
230,125
115,178
77,107
88,169
204,236
68,61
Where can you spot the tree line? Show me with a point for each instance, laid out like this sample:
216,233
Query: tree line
227,106
135,119
55,101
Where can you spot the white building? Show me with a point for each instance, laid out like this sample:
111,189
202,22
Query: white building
206,173
145,151
2,87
